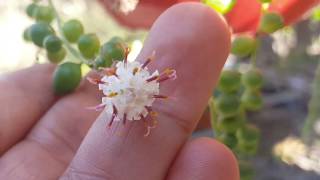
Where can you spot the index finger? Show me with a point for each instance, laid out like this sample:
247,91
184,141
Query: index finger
192,39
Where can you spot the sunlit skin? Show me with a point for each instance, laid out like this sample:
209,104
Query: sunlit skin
45,137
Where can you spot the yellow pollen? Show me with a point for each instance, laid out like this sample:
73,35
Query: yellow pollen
135,70
168,71
110,71
112,94
153,113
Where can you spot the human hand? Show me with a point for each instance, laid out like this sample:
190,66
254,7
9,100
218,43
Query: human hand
45,137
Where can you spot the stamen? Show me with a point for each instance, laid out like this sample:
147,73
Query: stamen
148,132
135,70
153,113
141,116
112,119
114,114
112,94
149,128
150,58
124,118
160,96
148,108
167,74
126,53
99,107
152,78
110,71
94,81
163,79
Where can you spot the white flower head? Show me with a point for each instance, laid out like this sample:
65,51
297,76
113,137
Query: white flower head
130,90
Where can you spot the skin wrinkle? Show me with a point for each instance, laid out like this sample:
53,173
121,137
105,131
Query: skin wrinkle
12,170
48,151
26,166
62,141
18,90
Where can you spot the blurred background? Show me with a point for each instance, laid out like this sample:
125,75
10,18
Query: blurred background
288,59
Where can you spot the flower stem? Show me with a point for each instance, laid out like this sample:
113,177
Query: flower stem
313,108
253,57
69,47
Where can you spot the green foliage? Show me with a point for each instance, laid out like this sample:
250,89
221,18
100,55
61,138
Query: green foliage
248,138
230,124
243,45
44,14
110,51
252,79
72,30
229,81
52,43
31,9
56,57
66,78
27,34
227,105
252,100
228,114
248,133
89,45
229,140
271,22
39,31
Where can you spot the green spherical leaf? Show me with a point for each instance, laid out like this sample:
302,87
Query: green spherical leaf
111,51
72,30
99,62
248,148
271,22
248,139
31,9
66,78
243,45
252,100
229,140
56,57
230,124
44,14
52,43
27,34
248,134
39,31
252,79
227,105
229,81
89,45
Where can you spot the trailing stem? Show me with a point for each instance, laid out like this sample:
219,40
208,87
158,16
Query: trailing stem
69,47
313,108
